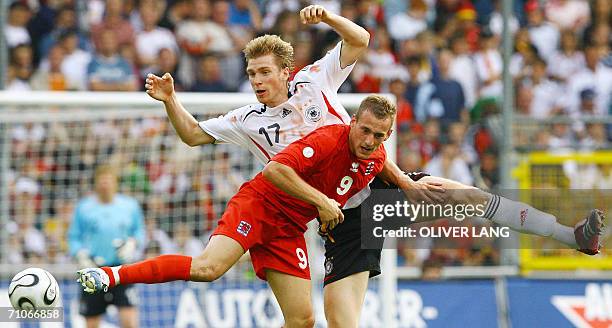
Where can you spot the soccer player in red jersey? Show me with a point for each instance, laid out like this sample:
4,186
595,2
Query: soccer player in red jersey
312,177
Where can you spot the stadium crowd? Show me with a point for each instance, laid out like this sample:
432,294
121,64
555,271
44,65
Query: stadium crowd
441,59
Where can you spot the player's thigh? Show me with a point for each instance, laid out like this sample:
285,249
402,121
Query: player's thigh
294,297
343,300
93,321
128,316
221,253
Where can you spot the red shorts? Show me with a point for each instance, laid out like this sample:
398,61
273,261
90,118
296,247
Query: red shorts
273,240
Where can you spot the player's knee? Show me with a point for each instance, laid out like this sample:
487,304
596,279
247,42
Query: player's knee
205,271
304,319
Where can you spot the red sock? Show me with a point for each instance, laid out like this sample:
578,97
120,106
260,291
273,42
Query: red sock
156,270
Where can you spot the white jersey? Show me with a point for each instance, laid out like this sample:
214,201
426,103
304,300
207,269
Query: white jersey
313,102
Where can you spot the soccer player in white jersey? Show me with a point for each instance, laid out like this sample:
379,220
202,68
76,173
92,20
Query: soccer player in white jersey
288,111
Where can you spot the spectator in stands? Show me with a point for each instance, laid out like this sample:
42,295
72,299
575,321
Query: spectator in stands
496,20
596,76
178,11
405,117
273,8
15,30
113,21
65,20
245,13
543,34
76,60
560,137
51,77
524,54
546,93
568,14
107,229
167,62
407,25
450,164
463,70
287,26
108,71
186,243
568,61
457,135
209,76
151,39
489,66
449,92
20,68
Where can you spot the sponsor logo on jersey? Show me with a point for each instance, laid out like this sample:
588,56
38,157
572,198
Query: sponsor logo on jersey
524,216
244,228
313,113
285,112
369,168
329,265
354,167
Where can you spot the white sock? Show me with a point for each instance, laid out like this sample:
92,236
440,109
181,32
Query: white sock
528,219
565,235
520,216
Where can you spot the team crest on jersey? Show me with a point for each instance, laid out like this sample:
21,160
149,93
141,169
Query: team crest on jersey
244,228
369,168
313,113
329,265
354,167
285,112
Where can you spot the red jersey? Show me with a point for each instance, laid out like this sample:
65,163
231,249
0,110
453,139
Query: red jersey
324,160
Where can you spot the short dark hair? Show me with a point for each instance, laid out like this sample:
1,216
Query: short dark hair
378,105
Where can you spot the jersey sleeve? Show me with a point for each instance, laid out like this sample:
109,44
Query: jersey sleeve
304,155
327,71
226,128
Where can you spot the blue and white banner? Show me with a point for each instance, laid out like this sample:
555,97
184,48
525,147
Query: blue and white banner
560,303
180,304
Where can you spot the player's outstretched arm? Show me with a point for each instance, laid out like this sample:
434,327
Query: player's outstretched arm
287,180
355,38
185,125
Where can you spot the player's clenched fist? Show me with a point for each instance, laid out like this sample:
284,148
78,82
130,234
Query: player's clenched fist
313,14
160,88
330,213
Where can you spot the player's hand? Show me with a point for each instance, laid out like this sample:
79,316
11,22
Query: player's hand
159,88
126,250
313,14
428,192
330,214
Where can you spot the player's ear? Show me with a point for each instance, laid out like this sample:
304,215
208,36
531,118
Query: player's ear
389,134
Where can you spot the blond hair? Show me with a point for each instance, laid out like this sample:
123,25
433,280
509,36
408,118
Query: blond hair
104,169
378,105
270,44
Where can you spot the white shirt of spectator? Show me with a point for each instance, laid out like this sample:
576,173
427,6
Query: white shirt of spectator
458,170
402,26
566,66
569,14
488,64
149,43
314,103
74,68
496,23
463,70
200,31
16,35
546,95
600,81
545,38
